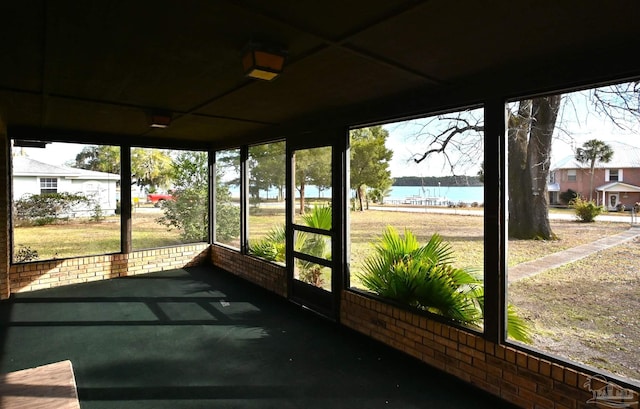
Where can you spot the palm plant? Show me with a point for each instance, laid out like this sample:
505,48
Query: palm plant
272,246
314,244
319,218
423,277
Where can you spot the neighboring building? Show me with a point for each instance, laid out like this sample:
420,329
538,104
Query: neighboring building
35,177
614,183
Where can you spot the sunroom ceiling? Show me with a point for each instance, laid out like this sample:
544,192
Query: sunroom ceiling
88,68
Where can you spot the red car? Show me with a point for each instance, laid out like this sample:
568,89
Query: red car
158,198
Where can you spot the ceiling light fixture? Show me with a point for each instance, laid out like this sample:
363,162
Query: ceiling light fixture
263,62
160,119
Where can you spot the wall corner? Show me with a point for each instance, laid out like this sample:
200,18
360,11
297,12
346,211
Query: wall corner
5,203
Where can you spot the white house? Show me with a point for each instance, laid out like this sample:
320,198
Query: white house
35,177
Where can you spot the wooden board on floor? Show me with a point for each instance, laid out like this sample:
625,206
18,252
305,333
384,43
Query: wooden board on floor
50,386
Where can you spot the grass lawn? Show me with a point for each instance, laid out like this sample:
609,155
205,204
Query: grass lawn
588,310
82,238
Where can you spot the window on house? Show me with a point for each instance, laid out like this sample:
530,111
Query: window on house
77,221
169,194
613,175
571,175
581,310
48,185
397,190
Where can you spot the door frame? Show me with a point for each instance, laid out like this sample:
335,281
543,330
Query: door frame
319,300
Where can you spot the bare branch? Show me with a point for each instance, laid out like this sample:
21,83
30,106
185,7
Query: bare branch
448,136
620,103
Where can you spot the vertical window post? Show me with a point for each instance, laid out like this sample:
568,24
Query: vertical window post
125,198
212,195
244,200
495,165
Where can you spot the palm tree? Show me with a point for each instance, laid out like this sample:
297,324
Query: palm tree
593,151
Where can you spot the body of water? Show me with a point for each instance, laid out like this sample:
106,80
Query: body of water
455,194
440,195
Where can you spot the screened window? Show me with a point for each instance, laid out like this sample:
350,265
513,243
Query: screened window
267,193
227,198
584,309
571,175
82,218
401,193
169,193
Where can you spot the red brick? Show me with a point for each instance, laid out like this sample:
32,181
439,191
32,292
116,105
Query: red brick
545,368
570,377
557,372
536,399
522,359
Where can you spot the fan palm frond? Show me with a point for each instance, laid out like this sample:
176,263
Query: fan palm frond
424,277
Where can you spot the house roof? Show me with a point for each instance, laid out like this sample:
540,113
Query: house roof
24,166
624,156
618,187
94,70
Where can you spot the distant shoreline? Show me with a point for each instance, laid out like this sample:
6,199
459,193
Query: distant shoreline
434,181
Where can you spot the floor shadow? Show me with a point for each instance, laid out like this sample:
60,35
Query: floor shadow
199,337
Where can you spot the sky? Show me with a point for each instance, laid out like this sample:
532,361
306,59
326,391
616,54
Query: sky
577,122
55,153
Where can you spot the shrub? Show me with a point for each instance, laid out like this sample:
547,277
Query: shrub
586,210
49,207
189,211
273,246
25,254
97,215
424,277
188,214
568,196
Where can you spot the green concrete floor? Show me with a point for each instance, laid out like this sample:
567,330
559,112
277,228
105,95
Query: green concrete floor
200,338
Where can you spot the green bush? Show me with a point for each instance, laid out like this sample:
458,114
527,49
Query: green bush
423,277
188,213
273,246
25,254
585,210
568,196
47,208
97,215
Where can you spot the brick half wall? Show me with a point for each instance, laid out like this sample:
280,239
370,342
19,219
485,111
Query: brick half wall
516,376
55,273
270,276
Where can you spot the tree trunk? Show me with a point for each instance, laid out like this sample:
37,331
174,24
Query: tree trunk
301,196
529,146
359,195
593,167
